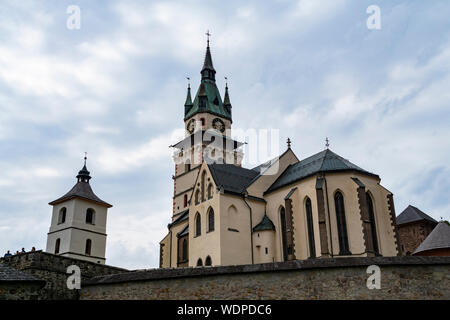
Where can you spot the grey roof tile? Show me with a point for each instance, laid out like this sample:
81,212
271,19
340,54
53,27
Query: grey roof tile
81,190
324,161
413,214
232,178
439,238
265,224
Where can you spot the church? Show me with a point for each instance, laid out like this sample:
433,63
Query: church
285,209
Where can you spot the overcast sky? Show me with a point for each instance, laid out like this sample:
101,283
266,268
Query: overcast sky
116,89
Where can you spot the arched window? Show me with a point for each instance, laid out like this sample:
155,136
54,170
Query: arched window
202,121
199,262
185,249
57,244
284,233
310,224
210,220
185,200
210,191
208,261
62,215
87,250
372,222
203,185
197,196
198,225
341,224
90,216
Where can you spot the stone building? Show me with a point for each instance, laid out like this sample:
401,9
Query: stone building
437,243
413,227
78,225
285,209
18,285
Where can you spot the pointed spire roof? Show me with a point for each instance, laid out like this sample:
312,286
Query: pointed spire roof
413,214
207,98
188,97
439,238
82,189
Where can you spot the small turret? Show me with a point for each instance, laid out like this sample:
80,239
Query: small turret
188,104
226,99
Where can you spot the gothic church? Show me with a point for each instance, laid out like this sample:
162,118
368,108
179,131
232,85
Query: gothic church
285,209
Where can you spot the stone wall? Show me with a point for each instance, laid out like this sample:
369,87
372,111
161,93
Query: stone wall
52,268
411,235
19,291
341,278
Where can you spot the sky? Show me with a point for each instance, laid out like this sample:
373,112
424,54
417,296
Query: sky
115,88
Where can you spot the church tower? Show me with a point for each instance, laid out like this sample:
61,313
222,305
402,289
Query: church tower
78,226
207,121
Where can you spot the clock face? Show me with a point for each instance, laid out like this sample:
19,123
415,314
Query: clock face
218,124
191,126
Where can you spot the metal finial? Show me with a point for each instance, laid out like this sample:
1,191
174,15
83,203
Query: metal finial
226,82
189,82
208,35
288,143
85,158
327,142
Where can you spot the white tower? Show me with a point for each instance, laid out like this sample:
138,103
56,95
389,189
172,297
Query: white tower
78,226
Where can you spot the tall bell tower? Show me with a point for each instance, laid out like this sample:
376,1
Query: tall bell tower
207,120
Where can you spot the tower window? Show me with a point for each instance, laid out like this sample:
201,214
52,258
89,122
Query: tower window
202,121
185,200
341,224
211,220
57,244
62,215
198,225
310,224
185,249
208,261
267,250
87,250
210,191
199,262
90,216
197,196
216,101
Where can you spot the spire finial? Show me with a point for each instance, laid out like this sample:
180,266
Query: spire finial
189,82
288,143
85,158
226,82
327,142
208,35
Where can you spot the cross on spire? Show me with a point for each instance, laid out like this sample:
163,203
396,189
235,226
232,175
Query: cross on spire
85,157
189,81
288,143
208,35
226,82
327,142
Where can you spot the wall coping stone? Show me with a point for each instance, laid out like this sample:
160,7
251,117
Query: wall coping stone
294,265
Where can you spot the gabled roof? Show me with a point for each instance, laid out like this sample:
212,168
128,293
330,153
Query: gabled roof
265,224
9,274
81,190
413,214
232,178
184,215
324,161
439,238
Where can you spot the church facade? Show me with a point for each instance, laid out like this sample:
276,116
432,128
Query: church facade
285,209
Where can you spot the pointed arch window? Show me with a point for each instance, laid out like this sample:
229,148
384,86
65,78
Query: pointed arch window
210,191
372,222
199,262
208,261
197,196
210,220
88,247
310,225
203,185
284,233
184,250
198,225
57,245
341,224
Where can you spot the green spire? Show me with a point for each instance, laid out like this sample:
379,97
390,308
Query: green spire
226,99
188,104
208,72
